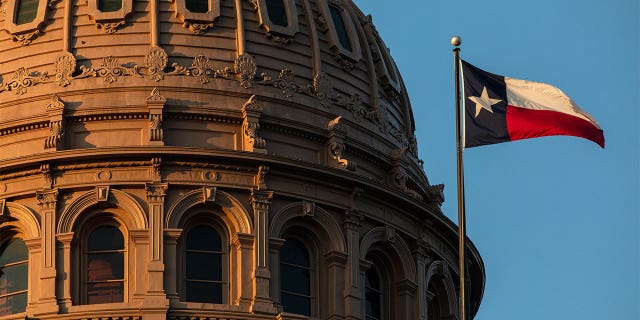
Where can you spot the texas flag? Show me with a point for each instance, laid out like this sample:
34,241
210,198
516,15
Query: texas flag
500,109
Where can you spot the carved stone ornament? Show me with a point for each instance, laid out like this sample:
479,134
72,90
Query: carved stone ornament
156,61
355,105
245,68
23,79
102,193
47,198
65,66
155,127
202,69
56,131
47,174
3,6
436,193
251,111
336,146
398,172
156,171
260,179
56,105
155,96
308,208
208,194
323,88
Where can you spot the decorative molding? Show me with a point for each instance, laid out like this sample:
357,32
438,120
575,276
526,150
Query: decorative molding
323,88
251,112
155,171
201,68
260,179
23,79
398,172
102,193
336,146
156,61
308,208
280,34
110,22
47,173
208,194
47,199
56,132
156,191
197,22
155,103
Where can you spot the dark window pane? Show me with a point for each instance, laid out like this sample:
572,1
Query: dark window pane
13,251
277,12
198,6
371,279
204,266
109,5
294,279
372,303
105,266
14,278
204,238
341,30
105,292
26,11
106,238
294,252
296,304
210,292
13,304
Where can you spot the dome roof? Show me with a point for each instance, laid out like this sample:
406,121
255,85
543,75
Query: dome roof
314,69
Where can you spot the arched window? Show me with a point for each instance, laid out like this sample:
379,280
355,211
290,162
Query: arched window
341,28
277,12
14,265
295,278
25,11
204,280
197,6
373,294
104,262
109,5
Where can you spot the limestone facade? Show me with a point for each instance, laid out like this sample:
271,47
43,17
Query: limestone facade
153,120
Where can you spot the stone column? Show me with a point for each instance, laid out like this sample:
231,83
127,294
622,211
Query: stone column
48,200
261,302
63,287
34,246
405,290
155,295
352,291
171,237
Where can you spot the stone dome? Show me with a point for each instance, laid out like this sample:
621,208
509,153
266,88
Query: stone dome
147,105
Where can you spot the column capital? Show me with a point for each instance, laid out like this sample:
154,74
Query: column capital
156,191
47,198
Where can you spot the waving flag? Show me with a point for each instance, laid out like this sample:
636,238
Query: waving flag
500,109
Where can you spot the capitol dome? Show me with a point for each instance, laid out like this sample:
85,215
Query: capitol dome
172,159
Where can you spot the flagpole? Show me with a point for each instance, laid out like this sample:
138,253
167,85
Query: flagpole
462,229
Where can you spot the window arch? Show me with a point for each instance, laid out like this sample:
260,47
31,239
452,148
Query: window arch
104,258
279,18
277,12
340,27
295,279
204,259
14,266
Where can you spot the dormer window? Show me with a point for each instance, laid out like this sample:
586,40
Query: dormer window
279,18
197,6
26,11
277,12
109,5
341,28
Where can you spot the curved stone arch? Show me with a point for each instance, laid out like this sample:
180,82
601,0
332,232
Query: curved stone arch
320,216
237,214
399,246
24,220
440,268
135,218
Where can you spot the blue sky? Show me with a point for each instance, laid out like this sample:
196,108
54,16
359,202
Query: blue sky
555,218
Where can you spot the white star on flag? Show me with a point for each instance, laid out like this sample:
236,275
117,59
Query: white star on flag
484,102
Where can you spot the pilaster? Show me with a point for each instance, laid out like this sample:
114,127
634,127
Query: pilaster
155,295
63,287
261,302
47,302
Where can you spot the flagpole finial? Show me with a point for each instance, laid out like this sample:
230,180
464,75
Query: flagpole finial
456,41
